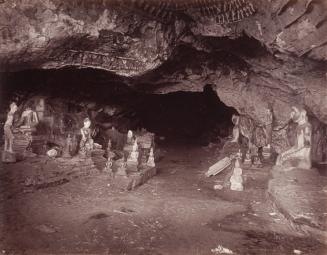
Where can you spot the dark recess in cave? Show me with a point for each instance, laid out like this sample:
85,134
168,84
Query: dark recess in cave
190,117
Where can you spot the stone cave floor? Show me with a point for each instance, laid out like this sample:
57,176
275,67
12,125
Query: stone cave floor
176,212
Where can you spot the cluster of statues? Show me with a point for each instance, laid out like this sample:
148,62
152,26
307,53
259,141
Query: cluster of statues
133,158
25,125
299,155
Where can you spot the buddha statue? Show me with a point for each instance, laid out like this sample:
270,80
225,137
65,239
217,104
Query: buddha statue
108,167
130,137
28,119
135,153
236,180
122,167
86,144
299,155
150,161
8,129
68,147
236,129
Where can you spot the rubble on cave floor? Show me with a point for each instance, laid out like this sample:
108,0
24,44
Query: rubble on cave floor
176,212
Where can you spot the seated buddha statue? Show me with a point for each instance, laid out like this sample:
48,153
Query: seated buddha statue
299,155
28,120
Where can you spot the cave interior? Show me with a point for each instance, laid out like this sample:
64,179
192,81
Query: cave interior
194,107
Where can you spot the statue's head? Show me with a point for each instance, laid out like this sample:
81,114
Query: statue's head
295,114
299,115
303,116
235,119
87,123
13,107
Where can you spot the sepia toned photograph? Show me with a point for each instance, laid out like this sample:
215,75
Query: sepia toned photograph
163,127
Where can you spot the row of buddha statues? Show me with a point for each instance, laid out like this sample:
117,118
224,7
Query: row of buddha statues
133,159
299,155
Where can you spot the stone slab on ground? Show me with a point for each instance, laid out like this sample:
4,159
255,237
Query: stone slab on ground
218,167
301,195
135,179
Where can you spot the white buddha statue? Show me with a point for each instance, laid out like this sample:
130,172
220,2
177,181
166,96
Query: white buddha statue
298,155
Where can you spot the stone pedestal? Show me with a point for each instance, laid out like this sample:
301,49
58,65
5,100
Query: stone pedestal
132,166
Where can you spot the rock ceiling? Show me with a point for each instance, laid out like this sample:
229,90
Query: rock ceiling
256,54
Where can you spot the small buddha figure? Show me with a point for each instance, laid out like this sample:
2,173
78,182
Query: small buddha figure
108,167
299,154
257,161
8,129
68,147
109,152
236,129
86,144
150,161
239,154
121,171
236,180
134,154
130,137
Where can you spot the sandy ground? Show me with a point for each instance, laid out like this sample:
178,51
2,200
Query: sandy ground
176,212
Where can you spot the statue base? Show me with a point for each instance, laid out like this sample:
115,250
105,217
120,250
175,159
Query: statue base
8,157
132,166
247,162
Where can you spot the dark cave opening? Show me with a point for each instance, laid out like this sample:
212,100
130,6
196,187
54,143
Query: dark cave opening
189,117
198,117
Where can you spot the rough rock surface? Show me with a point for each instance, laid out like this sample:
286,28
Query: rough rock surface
173,46
301,196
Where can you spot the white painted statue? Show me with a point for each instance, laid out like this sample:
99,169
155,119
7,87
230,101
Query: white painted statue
134,156
298,155
121,171
8,129
150,161
68,147
236,129
236,181
87,143
130,136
